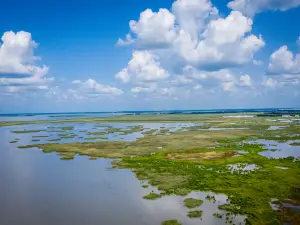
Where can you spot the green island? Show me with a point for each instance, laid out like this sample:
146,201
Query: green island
171,222
192,203
194,214
152,196
198,158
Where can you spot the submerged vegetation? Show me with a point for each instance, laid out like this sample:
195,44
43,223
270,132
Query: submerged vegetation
199,158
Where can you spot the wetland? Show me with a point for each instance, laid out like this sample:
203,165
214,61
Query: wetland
151,169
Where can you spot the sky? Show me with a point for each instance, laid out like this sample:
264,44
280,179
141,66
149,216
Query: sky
72,56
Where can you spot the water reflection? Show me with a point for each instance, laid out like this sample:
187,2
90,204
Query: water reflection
39,188
86,132
276,149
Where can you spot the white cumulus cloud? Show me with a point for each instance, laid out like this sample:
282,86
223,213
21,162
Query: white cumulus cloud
192,15
245,81
152,29
195,33
76,82
225,43
252,7
283,61
94,86
18,62
258,62
143,67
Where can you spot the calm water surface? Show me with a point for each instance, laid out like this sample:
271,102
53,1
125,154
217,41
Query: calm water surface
41,189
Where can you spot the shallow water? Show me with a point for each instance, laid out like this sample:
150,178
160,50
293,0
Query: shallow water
277,149
276,127
38,188
81,131
242,168
225,128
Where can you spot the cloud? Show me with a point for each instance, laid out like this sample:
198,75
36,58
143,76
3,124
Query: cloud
269,82
152,29
284,61
225,43
127,41
252,7
224,78
96,87
284,67
194,33
76,82
17,89
139,89
192,15
143,67
18,62
258,62
298,42
245,81
197,87
181,80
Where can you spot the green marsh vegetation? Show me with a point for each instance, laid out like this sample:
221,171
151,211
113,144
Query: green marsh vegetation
171,222
197,160
93,158
66,128
211,198
56,139
296,144
194,214
26,131
67,135
192,203
152,196
97,133
218,215
132,129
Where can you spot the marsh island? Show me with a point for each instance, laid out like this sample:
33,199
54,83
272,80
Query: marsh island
218,168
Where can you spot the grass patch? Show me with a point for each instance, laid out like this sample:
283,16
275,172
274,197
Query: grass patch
66,128
192,203
152,196
97,133
93,158
198,156
195,214
171,222
27,131
218,215
56,139
296,144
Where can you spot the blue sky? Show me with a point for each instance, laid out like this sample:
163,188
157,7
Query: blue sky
180,54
